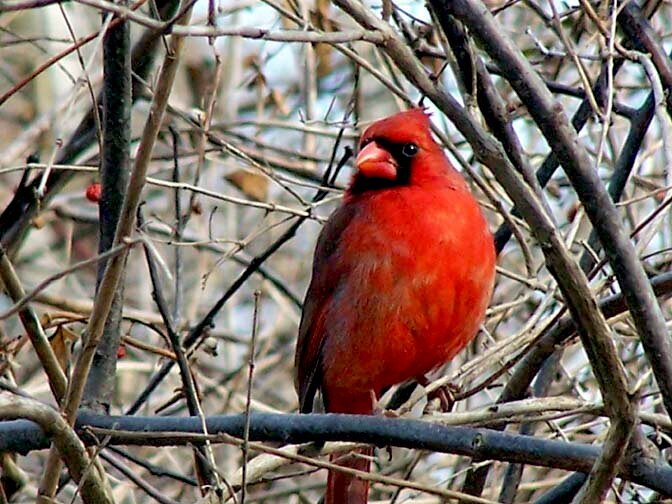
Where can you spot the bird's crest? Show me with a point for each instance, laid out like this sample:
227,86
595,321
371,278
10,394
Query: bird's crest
411,125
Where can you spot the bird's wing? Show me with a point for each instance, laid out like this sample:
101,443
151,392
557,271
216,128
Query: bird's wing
328,271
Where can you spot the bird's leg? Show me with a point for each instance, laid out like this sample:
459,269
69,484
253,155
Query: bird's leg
445,394
378,410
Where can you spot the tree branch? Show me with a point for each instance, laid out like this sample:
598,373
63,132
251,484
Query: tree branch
606,220
22,436
114,169
16,217
31,323
115,266
70,448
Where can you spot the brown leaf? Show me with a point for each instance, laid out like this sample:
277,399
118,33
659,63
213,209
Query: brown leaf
253,185
278,100
61,342
201,80
324,52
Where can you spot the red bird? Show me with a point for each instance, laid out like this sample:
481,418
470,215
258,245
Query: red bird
402,274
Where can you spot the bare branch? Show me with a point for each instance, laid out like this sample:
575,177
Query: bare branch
69,446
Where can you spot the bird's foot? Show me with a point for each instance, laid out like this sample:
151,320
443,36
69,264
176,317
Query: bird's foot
378,410
445,394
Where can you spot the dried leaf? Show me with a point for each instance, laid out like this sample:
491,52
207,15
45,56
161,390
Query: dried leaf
253,185
324,52
61,342
279,101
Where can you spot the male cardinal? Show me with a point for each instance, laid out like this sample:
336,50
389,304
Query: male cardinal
402,274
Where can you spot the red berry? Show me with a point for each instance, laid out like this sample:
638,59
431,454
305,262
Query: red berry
93,192
121,352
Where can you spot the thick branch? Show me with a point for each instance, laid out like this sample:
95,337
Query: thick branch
124,229
637,28
23,436
114,169
69,446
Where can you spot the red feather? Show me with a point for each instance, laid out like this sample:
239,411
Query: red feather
403,272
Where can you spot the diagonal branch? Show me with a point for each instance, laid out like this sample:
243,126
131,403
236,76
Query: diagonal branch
635,25
34,329
606,220
115,266
188,381
69,446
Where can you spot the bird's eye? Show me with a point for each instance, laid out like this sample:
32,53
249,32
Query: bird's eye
409,150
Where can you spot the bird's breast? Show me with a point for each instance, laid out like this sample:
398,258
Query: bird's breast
419,278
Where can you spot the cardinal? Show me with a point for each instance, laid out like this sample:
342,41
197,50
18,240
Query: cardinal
403,272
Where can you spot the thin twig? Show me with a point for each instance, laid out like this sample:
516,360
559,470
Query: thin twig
248,401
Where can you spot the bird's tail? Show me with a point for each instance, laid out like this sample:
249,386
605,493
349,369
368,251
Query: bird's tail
345,488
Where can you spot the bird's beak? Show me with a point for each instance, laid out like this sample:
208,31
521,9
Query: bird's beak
375,162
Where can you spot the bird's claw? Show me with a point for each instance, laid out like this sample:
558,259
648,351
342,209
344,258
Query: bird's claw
446,395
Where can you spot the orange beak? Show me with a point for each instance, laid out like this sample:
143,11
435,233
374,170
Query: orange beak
375,162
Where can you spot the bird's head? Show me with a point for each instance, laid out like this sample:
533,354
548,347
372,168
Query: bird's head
395,151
